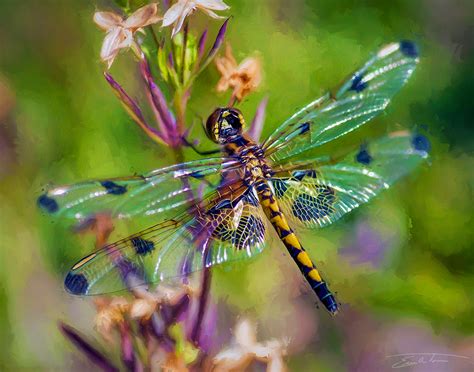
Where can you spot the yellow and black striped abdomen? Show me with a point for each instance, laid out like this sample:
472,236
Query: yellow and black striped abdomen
294,247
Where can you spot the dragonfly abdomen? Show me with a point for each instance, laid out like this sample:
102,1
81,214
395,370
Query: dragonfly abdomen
294,247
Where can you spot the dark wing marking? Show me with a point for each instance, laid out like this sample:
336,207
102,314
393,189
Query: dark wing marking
317,198
359,99
230,226
159,191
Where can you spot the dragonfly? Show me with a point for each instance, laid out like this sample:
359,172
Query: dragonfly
221,209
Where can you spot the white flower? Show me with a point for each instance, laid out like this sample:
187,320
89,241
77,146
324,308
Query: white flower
246,349
120,31
182,8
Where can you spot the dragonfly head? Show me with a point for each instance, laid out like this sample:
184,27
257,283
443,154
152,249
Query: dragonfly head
223,124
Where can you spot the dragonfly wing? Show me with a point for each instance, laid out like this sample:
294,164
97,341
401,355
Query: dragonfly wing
225,230
314,198
359,99
157,192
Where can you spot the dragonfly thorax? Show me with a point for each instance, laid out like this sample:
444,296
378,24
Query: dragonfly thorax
252,158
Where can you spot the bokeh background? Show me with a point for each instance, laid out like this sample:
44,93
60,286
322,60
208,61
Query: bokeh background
402,266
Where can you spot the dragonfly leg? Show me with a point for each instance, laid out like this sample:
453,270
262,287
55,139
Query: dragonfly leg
190,144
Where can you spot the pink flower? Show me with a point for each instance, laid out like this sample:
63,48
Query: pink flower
120,31
246,349
182,8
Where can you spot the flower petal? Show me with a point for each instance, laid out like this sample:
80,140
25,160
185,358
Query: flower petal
111,43
126,39
222,85
173,13
211,13
276,364
212,4
179,23
142,308
142,17
107,20
245,333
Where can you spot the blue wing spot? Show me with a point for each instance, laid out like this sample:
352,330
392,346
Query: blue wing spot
307,207
113,188
142,246
357,84
76,284
421,143
363,156
196,174
304,127
280,187
299,175
409,48
48,204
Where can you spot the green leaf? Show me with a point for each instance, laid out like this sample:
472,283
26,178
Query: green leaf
162,65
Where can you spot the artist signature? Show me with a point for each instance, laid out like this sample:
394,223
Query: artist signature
415,359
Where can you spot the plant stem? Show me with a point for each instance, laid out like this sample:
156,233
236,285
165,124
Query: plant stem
205,287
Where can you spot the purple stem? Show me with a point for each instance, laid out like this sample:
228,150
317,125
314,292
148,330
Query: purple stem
205,287
202,44
178,309
170,60
128,355
159,100
92,353
215,47
132,108
158,327
159,119
219,39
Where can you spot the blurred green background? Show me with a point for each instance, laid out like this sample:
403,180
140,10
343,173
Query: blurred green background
402,266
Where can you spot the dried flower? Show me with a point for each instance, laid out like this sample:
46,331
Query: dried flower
248,349
147,304
182,8
120,31
110,313
243,78
143,308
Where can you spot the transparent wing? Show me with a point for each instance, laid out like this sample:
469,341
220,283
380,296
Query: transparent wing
231,227
362,97
159,191
317,197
